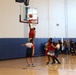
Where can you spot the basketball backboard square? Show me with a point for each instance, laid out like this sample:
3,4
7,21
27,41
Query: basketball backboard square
25,12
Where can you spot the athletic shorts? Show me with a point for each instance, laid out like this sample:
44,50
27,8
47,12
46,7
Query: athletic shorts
29,52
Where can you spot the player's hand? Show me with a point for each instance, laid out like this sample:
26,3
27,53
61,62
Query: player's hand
32,54
23,45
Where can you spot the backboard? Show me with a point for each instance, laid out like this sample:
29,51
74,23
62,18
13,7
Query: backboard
24,14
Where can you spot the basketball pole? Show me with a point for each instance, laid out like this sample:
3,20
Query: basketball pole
48,21
20,14
66,17
20,9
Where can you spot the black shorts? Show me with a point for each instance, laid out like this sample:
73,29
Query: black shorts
29,52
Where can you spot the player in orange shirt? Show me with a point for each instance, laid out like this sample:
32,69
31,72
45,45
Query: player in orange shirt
32,33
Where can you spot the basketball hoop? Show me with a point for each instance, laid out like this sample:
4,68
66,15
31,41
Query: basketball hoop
30,21
28,17
33,21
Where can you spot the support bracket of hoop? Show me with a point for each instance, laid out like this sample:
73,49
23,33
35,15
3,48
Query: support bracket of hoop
27,21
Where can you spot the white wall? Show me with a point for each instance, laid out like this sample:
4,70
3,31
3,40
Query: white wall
71,18
56,16
50,13
9,20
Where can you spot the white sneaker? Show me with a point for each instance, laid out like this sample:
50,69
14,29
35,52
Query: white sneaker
28,65
33,65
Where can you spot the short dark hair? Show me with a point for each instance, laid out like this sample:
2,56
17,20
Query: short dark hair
50,39
31,40
34,28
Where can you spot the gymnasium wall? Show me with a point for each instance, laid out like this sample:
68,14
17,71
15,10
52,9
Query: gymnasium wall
72,18
56,20
9,20
11,48
56,16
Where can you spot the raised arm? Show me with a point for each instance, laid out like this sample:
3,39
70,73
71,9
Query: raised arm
23,45
34,36
29,26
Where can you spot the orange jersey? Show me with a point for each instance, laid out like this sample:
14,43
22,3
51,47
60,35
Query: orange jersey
31,33
50,47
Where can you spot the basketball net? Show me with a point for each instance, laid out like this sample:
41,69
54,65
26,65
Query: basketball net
32,21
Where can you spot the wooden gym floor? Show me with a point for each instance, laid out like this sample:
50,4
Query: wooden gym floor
18,66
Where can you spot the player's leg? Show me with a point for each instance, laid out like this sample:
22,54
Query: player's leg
32,62
27,62
27,57
48,59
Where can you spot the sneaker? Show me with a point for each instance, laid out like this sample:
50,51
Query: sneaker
47,63
59,63
33,65
53,63
28,65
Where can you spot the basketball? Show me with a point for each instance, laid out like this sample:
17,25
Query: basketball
30,15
